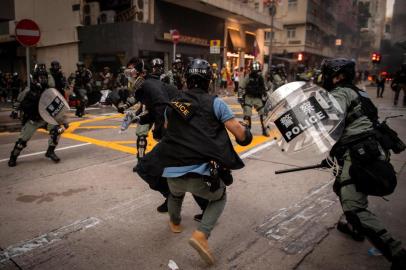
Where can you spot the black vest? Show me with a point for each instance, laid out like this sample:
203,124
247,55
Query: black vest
255,86
194,137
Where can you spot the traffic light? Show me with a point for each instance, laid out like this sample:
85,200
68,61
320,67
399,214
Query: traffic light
300,57
376,58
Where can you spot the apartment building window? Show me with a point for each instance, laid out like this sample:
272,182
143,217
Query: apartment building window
268,35
292,4
291,32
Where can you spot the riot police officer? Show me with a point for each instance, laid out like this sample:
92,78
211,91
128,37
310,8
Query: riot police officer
16,85
359,151
301,73
82,86
253,93
59,78
31,118
277,76
175,76
196,140
399,84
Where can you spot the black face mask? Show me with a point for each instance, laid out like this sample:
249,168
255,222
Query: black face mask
327,83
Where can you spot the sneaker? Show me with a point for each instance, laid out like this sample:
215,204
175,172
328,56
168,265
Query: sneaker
199,242
198,217
163,208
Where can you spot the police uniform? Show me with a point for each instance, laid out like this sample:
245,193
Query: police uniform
253,92
359,130
28,104
82,86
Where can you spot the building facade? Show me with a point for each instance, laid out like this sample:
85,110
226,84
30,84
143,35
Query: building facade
108,33
315,29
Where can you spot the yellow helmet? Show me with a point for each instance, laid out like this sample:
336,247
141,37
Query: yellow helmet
214,65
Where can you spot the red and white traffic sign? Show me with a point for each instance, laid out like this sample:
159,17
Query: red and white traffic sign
27,32
175,36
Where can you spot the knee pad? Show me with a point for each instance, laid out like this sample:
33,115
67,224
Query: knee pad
141,146
20,144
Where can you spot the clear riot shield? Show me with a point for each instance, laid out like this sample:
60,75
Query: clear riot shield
306,119
52,106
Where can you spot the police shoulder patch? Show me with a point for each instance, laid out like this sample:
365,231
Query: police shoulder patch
183,108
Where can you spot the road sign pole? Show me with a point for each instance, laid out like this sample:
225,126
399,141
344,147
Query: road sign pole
174,51
27,58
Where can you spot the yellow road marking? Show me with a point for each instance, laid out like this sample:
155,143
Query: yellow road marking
120,145
125,142
97,127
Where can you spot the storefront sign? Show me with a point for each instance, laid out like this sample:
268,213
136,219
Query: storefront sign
215,46
188,39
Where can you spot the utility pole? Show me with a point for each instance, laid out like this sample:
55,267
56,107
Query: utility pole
272,12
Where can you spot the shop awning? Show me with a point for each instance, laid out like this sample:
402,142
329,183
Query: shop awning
251,44
236,39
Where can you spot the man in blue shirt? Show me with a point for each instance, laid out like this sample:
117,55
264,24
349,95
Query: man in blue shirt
196,154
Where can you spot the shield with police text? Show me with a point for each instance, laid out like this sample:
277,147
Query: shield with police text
306,120
52,106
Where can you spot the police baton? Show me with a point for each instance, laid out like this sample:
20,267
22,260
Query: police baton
300,169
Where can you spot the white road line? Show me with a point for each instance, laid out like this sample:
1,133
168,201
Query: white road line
47,239
257,149
43,152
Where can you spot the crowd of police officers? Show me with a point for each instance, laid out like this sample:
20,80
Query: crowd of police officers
194,152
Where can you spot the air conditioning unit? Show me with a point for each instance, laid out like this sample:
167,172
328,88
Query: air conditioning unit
142,10
91,12
108,16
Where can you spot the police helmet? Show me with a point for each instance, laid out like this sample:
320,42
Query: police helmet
255,66
198,74
80,65
40,74
55,65
15,74
157,66
334,67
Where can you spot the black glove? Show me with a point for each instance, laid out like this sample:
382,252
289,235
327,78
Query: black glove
121,108
326,163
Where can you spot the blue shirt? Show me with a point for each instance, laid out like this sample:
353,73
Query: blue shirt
223,113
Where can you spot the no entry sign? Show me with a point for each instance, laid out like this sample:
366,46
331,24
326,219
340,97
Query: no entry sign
175,36
27,32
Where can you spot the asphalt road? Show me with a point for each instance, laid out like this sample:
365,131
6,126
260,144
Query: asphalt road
91,212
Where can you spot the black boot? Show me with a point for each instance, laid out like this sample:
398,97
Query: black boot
51,154
18,147
12,162
163,208
265,131
399,260
247,120
344,227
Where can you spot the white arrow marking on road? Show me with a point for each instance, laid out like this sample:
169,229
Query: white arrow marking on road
27,32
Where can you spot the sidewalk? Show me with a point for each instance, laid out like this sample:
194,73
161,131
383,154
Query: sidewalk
6,122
